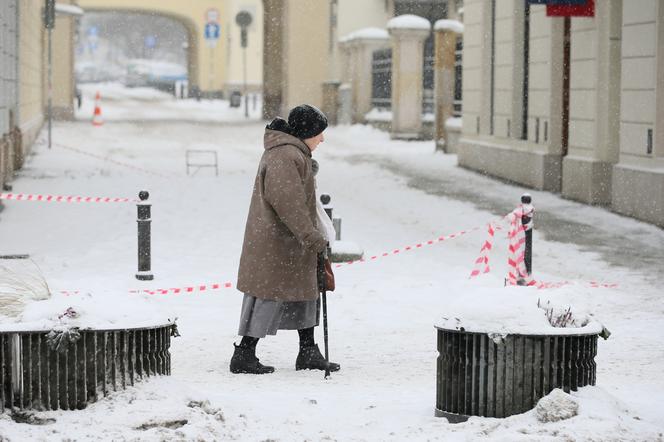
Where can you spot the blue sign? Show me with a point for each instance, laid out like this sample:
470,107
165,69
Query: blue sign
93,31
212,31
150,41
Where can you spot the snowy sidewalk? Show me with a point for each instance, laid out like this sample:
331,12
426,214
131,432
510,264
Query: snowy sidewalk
381,316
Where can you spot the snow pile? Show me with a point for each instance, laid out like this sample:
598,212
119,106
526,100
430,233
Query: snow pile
409,21
101,310
454,123
556,406
378,114
600,416
366,34
449,25
513,310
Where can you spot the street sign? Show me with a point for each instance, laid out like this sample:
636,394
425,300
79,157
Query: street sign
212,31
243,19
49,14
212,15
557,2
584,9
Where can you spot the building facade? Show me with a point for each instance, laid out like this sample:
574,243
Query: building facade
568,105
301,58
23,77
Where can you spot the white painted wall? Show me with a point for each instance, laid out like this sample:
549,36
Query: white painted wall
638,80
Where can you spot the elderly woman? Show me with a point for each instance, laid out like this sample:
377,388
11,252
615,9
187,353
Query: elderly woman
281,243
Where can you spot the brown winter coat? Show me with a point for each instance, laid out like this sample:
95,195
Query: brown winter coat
281,239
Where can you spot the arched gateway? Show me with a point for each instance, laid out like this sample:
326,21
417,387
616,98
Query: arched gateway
212,70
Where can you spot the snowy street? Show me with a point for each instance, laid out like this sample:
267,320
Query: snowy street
390,194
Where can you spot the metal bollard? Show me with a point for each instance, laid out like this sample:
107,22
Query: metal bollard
336,222
527,221
326,199
144,220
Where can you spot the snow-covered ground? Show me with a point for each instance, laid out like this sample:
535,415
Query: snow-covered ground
382,314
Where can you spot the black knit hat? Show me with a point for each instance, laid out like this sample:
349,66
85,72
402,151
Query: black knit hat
306,121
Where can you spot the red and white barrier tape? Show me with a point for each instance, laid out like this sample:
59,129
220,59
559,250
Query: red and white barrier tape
172,290
516,258
408,248
63,199
185,290
108,160
482,262
516,274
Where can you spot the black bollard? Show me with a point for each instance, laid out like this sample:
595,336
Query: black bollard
144,220
326,199
527,221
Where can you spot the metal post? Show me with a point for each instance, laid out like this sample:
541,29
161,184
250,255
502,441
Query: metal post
323,290
144,220
50,84
244,75
336,222
243,19
211,70
326,199
527,221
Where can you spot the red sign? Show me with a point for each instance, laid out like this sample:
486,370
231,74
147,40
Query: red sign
586,9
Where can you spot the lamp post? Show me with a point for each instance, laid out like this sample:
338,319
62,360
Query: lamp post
243,19
49,24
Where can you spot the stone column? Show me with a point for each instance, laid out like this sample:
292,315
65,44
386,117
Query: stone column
445,34
362,45
407,33
331,100
344,91
273,29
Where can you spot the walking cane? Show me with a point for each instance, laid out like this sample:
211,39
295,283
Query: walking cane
323,289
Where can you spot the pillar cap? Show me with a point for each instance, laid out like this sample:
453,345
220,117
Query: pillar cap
449,25
366,34
409,22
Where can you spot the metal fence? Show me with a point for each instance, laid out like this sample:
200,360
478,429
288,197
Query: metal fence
43,371
381,72
480,376
381,79
428,104
458,69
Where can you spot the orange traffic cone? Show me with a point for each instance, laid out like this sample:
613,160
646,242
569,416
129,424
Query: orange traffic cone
96,119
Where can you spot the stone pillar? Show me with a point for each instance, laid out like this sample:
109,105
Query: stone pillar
361,46
445,34
407,33
63,67
331,101
273,29
345,92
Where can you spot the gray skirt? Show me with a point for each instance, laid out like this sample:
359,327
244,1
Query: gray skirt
261,317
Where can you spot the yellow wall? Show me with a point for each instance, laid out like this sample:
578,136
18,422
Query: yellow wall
306,52
63,65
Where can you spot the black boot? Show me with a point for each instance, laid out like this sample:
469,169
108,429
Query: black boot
244,360
310,358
